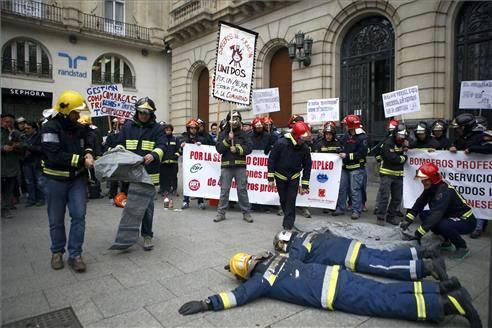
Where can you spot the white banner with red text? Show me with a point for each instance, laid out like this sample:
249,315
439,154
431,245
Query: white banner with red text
470,174
201,176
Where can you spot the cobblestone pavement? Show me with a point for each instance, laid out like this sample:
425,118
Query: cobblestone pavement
145,289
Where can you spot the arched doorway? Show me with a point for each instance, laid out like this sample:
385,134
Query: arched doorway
367,65
473,48
281,77
203,94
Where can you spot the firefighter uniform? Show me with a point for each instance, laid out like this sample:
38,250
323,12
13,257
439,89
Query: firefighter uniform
333,288
169,165
325,146
325,248
286,161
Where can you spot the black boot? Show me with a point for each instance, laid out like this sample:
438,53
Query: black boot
436,268
447,286
430,253
460,302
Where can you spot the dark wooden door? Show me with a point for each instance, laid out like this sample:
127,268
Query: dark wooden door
203,95
281,77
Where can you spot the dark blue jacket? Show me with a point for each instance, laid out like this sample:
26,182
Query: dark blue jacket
355,146
171,152
32,144
243,146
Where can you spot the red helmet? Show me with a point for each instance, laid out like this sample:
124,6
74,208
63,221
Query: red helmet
267,120
352,122
301,130
257,123
429,171
331,123
295,118
392,124
192,123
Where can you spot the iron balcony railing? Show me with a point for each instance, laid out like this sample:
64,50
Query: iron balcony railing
191,9
33,9
14,67
128,81
109,26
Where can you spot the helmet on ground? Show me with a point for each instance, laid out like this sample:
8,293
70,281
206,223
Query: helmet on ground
301,130
240,265
281,240
267,120
392,124
430,171
120,199
258,123
400,131
70,101
192,123
145,105
466,120
439,125
421,128
295,118
352,122
85,119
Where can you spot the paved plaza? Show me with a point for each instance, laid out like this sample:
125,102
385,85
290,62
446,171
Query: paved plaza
145,289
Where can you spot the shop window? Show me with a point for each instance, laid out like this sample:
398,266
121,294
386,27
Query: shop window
112,69
26,57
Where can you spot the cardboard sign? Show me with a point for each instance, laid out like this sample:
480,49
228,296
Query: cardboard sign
235,64
476,95
109,100
322,110
266,101
401,101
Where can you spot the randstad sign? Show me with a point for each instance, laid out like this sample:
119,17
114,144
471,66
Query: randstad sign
72,65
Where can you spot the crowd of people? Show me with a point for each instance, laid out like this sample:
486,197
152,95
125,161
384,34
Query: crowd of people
55,157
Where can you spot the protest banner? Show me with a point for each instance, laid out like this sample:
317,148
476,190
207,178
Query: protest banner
266,101
401,101
109,100
476,95
201,172
235,64
322,110
470,174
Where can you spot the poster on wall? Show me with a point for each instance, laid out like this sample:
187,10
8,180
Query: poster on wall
322,110
401,101
110,100
476,95
235,64
266,101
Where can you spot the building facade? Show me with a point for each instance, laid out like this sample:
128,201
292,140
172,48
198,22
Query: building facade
48,47
360,50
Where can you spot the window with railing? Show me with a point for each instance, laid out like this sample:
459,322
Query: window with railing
33,9
114,12
26,57
112,69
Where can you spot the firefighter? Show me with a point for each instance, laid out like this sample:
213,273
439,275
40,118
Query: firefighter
144,137
329,142
289,157
261,139
68,155
376,150
391,176
423,139
234,145
438,129
203,133
411,263
271,130
449,215
333,288
191,136
354,144
169,164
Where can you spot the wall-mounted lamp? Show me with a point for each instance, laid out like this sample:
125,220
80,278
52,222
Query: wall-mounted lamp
301,49
168,49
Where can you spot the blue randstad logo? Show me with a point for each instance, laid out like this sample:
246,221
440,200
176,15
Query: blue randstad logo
322,178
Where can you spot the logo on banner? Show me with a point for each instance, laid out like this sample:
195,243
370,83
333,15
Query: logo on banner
194,185
322,178
196,167
321,193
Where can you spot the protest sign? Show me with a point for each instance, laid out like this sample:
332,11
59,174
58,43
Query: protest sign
201,172
470,174
322,110
266,101
401,101
235,63
109,100
476,95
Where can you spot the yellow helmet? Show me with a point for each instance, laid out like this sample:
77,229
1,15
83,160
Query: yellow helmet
70,101
85,119
239,265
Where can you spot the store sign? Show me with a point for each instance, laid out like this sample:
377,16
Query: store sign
26,93
72,63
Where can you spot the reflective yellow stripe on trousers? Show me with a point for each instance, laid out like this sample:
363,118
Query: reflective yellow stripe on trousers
420,301
328,291
352,253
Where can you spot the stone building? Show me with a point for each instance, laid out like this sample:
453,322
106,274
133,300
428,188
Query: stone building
360,50
50,46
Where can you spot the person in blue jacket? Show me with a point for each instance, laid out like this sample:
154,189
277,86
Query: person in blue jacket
333,288
410,263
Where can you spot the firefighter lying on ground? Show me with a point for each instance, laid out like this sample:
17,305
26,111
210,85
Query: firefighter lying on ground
409,263
333,288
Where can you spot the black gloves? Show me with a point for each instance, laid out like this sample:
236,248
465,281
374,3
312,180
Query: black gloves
193,307
418,235
405,224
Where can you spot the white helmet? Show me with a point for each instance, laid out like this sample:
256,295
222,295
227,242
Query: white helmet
281,240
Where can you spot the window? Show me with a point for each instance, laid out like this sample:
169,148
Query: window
112,69
115,17
26,57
